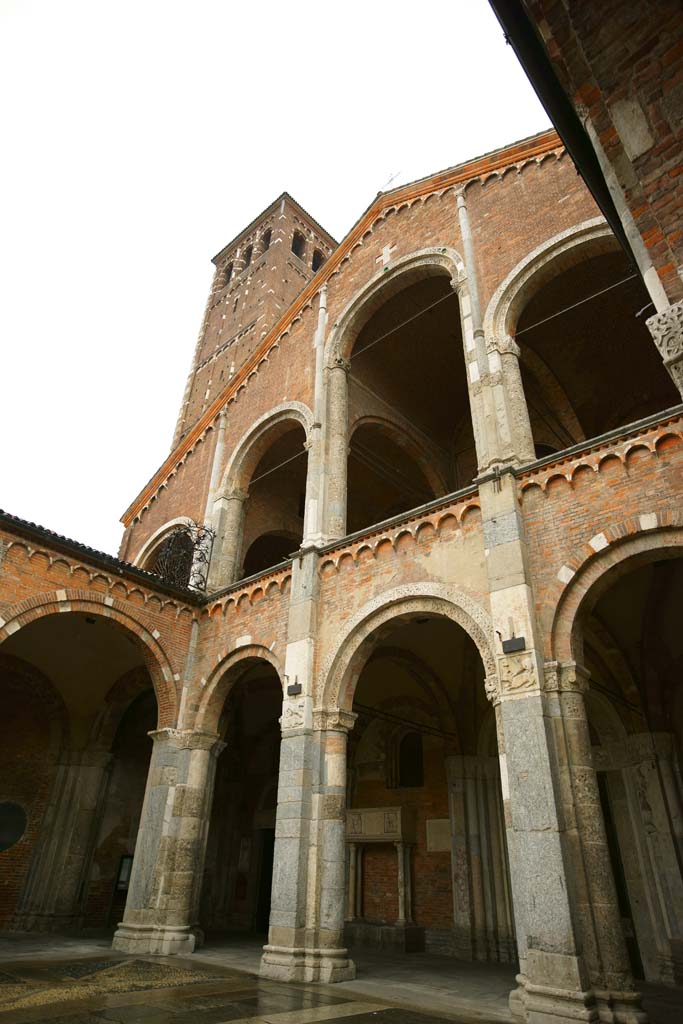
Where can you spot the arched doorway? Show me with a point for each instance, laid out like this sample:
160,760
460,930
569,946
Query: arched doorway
426,854
629,632
89,770
239,859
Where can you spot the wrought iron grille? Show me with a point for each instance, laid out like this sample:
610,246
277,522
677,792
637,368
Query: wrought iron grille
183,558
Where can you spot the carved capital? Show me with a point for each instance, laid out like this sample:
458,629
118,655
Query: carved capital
333,719
506,346
666,329
492,688
565,677
293,715
341,364
188,739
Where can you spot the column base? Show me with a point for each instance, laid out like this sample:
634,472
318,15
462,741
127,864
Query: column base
163,940
620,1008
286,963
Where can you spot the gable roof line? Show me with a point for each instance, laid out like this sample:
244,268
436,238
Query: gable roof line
528,149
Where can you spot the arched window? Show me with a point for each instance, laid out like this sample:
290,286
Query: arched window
410,761
248,253
173,560
318,260
228,273
298,244
265,240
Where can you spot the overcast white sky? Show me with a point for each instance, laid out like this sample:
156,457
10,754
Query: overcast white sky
138,138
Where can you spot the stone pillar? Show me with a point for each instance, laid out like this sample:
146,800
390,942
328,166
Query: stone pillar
305,941
165,884
53,895
316,475
228,522
595,899
337,449
353,883
510,397
656,813
666,329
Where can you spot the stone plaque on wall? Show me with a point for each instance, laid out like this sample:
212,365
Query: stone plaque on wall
438,835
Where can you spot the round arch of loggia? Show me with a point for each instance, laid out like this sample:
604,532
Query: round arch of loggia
155,658
224,676
590,238
255,442
407,270
350,651
416,449
595,573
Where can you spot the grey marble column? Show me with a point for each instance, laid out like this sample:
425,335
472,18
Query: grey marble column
305,940
228,522
594,893
337,450
163,898
53,893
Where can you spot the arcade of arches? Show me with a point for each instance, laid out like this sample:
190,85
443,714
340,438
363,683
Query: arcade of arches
424,704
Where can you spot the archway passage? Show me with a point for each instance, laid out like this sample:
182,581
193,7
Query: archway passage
633,648
427,861
239,860
408,373
274,511
75,754
114,849
587,359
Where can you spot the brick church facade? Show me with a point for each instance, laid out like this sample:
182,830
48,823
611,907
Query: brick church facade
417,685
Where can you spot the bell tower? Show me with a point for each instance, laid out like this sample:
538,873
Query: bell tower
258,275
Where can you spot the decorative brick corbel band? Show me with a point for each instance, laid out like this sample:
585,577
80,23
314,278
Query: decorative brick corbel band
666,329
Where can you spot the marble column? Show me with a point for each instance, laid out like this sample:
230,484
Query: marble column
654,800
336,449
228,522
596,908
305,940
163,898
52,897
510,398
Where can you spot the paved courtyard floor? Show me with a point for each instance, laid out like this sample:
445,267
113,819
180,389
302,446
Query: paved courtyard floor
81,981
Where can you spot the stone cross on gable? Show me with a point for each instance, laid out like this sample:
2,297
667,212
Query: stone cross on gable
385,255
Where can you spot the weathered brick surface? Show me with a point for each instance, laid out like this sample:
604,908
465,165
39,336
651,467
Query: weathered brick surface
615,53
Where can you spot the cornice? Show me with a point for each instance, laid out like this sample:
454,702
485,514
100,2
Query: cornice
528,149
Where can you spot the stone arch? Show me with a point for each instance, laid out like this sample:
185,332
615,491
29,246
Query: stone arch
349,651
222,680
386,283
411,442
156,539
597,573
590,238
155,658
255,442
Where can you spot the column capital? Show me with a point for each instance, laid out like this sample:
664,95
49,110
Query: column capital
565,677
492,688
339,363
188,739
666,329
505,345
333,720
